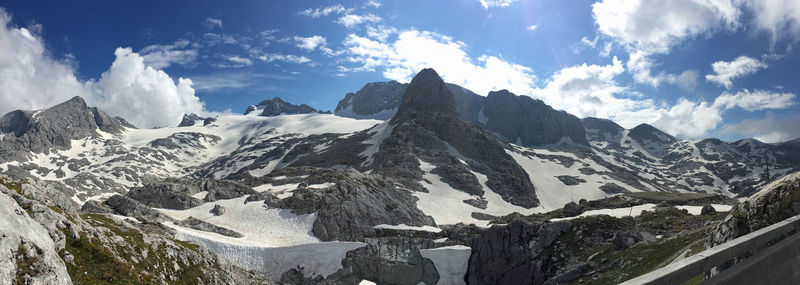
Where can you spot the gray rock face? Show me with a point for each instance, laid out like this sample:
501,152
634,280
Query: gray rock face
377,100
428,127
602,129
571,210
395,260
276,106
218,210
24,242
193,223
515,117
52,128
530,121
570,180
507,254
651,139
349,209
190,120
625,239
165,195
708,210
131,208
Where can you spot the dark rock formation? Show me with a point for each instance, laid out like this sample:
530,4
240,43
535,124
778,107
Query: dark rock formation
194,223
507,254
570,180
530,121
625,239
571,210
131,208
602,129
708,210
377,100
276,106
218,210
52,128
164,195
190,120
395,260
349,209
612,188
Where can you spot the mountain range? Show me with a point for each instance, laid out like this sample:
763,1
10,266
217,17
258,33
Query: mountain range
403,183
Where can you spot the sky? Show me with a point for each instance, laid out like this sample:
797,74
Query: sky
693,68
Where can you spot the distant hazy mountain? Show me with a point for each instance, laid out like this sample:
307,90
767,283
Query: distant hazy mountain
276,107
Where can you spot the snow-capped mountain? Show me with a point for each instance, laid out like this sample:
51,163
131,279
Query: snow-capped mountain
404,199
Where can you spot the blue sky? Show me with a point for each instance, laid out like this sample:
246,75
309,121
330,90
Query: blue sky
694,68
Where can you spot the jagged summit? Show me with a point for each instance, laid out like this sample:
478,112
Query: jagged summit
276,106
54,127
427,93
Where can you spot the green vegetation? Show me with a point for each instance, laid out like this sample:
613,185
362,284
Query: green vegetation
16,186
25,265
132,262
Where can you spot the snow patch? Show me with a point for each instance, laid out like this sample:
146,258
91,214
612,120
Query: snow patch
450,261
404,227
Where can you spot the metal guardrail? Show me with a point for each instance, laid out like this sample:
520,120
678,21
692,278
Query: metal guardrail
702,262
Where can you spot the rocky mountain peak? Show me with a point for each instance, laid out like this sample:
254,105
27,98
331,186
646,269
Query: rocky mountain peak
427,93
647,132
276,106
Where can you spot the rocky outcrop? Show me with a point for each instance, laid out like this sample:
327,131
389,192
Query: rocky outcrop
52,128
776,202
164,195
530,122
428,127
28,255
356,203
191,120
377,100
708,210
218,210
602,129
131,208
395,260
276,106
194,223
507,254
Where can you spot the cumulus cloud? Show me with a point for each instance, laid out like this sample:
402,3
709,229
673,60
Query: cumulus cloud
310,43
496,3
645,28
414,50
162,56
353,20
771,128
380,33
141,94
325,11
532,28
726,71
30,78
755,100
212,23
780,18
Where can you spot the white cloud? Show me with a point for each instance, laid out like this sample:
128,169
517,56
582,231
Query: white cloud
145,96
325,11
496,3
646,28
373,4
353,20
212,23
310,43
232,80
162,56
239,61
755,100
30,78
270,57
771,128
414,50
780,18
380,33
726,71
532,28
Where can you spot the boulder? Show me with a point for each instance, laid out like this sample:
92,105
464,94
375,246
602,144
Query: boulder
218,210
708,210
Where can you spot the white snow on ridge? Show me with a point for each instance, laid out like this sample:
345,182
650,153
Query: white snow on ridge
404,227
616,212
695,210
379,133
